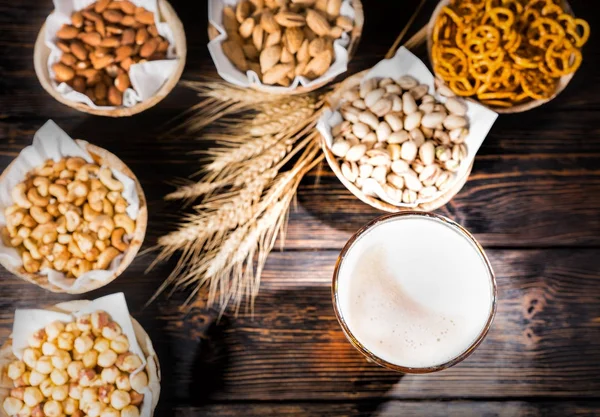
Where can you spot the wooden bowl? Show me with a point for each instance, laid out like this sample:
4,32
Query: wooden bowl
152,367
168,14
355,35
332,102
101,157
562,83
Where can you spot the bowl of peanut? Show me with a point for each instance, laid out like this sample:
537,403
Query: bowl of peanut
80,361
113,58
69,223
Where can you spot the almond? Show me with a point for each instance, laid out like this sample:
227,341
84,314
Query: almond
114,30
110,42
68,59
126,6
270,57
276,73
101,5
123,52
250,51
293,39
318,65
290,19
92,38
146,17
101,28
302,55
317,46
268,22
286,56
128,37
63,46
273,39
129,21
163,46
336,32
149,48
242,10
103,61
91,16
257,37
235,53
78,84
141,36
126,63
122,82
100,91
333,8
63,73
317,22
345,23
79,50
114,96
230,24
246,28
67,32
112,16
153,31
77,19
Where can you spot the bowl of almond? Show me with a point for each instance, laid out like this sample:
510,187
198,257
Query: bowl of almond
283,46
111,58
71,221
79,361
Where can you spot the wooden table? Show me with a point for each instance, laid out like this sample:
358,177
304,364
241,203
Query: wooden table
533,201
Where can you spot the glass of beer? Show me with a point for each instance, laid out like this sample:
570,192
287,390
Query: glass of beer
414,292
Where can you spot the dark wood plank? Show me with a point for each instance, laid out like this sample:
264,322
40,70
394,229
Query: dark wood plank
399,408
544,341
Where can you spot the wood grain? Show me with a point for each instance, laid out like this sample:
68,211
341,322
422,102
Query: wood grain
532,200
544,341
399,408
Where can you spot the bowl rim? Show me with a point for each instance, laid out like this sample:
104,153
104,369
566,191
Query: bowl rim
375,202
41,53
519,108
365,351
100,155
355,37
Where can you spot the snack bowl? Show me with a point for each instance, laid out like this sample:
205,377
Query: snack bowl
403,67
234,75
518,108
166,14
101,157
144,342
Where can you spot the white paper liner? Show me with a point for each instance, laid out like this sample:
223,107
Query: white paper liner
231,74
28,322
146,78
403,63
51,142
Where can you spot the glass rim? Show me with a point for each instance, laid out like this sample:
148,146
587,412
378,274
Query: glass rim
366,352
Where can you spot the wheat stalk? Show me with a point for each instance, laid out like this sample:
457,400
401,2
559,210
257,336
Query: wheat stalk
245,192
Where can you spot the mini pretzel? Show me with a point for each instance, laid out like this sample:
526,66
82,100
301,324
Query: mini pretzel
505,52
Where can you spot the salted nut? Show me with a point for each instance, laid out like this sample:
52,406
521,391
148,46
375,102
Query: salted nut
282,39
398,135
82,368
69,216
100,45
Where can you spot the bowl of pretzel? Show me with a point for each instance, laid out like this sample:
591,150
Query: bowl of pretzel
510,55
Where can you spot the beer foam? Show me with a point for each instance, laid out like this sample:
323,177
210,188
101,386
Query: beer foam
414,291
